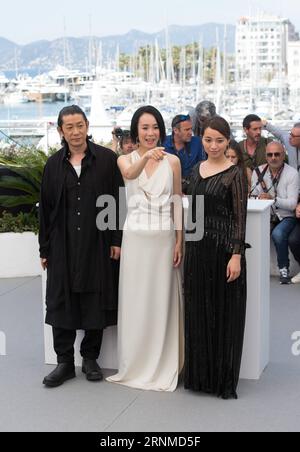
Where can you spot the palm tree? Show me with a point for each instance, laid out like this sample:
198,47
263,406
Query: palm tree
24,175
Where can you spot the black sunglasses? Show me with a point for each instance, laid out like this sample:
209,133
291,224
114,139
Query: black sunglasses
273,154
294,136
181,118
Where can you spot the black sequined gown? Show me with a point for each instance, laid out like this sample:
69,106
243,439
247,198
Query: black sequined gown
215,310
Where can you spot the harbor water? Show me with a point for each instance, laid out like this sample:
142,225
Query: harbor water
30,111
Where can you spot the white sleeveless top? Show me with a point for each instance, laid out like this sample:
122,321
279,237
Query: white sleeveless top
149,198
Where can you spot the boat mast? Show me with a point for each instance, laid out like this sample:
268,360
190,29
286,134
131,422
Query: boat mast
65,57
200,69
218,73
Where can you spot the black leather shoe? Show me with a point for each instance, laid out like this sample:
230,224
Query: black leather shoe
92,370
62,372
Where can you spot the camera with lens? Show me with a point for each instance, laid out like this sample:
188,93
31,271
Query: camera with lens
121,134
274,220
118,132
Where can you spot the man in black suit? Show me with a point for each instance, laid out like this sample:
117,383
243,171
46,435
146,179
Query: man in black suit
81,259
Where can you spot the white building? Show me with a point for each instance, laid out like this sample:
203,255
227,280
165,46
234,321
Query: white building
294,68
261,48
294,61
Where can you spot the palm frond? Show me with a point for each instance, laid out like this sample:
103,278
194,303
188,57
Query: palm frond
26,170
33,175
17,183
15,201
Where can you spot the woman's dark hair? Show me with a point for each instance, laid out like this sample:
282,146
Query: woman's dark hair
124,138
151,111
236,148
219,124
70,110
241,162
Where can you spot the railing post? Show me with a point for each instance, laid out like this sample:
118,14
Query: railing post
47,137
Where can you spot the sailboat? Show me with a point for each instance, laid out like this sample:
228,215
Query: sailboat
100,124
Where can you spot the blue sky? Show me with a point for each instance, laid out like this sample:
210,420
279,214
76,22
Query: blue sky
31,20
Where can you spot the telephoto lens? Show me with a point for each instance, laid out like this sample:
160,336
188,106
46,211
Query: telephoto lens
118,132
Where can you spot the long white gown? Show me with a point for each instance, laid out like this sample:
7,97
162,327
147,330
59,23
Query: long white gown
150,318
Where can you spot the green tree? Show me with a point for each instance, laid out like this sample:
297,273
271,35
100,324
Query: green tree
142,60
26,170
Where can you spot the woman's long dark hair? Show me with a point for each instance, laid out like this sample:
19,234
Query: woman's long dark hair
241,162
219,124
236,148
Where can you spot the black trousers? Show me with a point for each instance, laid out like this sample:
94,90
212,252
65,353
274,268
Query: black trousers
294,242
63,341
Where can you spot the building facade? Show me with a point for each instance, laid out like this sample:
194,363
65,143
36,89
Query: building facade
262,47
294,70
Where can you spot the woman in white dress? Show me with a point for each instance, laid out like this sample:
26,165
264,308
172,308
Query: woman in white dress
150,320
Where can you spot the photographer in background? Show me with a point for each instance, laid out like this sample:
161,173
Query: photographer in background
122,143
294,244
278,181
290,139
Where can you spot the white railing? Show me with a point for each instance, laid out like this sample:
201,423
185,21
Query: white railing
36,130
19,127
26,132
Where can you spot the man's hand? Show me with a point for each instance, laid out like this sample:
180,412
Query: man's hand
265,196
298,211
115,138
115,253
44,264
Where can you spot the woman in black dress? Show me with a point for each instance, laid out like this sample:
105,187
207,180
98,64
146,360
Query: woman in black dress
215,270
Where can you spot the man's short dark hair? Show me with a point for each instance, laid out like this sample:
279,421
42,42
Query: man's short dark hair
178,119
70,110
151,111
250,118
297,125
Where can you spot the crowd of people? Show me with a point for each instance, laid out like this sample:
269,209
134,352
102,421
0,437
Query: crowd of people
179,299
260,167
